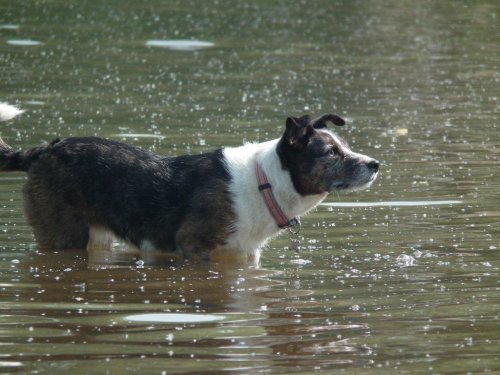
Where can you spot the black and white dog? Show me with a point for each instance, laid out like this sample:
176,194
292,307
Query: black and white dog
82,192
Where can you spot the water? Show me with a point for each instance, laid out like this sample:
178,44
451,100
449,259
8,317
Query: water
400,279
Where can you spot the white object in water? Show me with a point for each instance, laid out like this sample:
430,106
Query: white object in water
404,260
9,26
179,44
8,112
23,42
174,318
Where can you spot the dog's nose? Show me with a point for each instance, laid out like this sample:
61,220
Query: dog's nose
374,164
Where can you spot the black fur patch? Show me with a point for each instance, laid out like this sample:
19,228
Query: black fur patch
174,203
320,162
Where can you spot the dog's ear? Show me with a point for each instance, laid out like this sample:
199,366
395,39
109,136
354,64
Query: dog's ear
298,131
321,121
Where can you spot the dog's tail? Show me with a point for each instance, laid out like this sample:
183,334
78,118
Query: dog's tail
11,160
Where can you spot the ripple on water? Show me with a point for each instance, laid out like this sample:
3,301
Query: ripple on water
175,334
166,318
23,42
140,135
179,44
392,203
174,318
9,26
8,319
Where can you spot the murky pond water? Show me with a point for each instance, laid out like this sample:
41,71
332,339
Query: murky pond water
403,278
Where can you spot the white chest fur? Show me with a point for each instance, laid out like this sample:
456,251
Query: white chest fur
255,225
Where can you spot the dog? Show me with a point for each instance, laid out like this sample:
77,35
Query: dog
83,191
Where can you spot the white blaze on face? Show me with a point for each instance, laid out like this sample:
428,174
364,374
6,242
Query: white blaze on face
337,140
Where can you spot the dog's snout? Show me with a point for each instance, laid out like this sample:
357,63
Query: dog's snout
374,164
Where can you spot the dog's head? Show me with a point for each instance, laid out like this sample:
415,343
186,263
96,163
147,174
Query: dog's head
321,162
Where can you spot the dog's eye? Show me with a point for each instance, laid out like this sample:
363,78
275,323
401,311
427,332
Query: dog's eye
331,151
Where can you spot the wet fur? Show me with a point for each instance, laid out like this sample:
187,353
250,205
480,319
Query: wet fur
82,191
81,182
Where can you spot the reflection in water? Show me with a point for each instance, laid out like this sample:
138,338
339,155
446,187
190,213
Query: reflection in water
119,313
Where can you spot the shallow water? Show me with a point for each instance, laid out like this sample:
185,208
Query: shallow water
403,278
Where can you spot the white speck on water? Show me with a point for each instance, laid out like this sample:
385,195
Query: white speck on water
417,253
23,42
9,26
469,341
300,262
179,44
400,132
15,261
140,135
174,318
34,102
404,260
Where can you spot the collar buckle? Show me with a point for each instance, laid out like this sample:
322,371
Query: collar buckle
294,225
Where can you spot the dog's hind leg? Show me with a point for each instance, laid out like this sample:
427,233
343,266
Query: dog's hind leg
55,225
207,223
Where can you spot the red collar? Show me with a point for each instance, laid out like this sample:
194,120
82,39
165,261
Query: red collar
274,209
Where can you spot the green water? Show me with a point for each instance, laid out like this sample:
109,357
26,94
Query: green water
403,278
